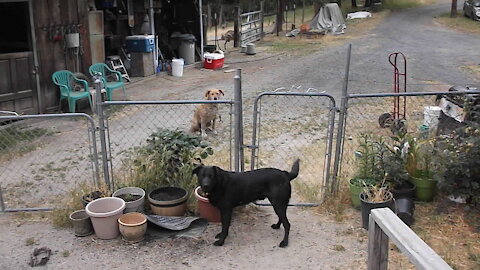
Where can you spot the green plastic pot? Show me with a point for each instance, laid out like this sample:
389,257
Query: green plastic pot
426,188
354,194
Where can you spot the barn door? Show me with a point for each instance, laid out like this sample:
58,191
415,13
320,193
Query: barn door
18,83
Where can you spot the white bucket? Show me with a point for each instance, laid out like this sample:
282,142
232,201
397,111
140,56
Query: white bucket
431,115
177,67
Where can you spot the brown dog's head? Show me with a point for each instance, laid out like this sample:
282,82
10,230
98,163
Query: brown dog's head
213,94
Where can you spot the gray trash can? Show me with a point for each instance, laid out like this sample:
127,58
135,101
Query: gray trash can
187,48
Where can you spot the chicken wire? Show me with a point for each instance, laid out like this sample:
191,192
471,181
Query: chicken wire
43,157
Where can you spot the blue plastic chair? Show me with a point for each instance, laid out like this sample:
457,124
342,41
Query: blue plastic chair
105,71
65,79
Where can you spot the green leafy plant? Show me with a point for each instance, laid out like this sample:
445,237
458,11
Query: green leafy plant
460,156
168,159
368,159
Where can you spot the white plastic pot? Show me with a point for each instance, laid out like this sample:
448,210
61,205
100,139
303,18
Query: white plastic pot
132,206
104,213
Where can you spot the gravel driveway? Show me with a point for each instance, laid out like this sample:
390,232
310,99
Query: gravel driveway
435,56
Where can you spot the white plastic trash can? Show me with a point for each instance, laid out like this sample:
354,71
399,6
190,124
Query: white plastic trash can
177,67
431,115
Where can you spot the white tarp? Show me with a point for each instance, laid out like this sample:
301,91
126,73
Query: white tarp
359,15
329,19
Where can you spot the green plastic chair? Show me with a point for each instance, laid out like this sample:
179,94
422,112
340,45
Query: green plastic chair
64,79
106,71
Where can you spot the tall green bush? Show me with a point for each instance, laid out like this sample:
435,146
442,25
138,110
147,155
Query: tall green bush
460,157
168,159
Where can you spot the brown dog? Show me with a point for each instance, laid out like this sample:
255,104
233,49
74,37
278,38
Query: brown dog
205,115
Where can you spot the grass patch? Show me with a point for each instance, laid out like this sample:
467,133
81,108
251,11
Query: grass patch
61,217
459,23
65,253
473,69
30,241
339,248
17,140
394,5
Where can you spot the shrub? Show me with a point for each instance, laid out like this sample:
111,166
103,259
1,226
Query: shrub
460,157
168,159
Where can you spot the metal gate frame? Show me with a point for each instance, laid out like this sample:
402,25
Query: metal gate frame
92,147
330,133
255,26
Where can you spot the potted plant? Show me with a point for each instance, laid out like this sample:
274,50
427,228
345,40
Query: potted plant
163,167
205,208
395,160
168,201
134,198
420,167
378,196
368,172
93,195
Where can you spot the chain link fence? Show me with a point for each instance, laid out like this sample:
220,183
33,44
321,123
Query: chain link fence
42,157
131,124
374,114
287,126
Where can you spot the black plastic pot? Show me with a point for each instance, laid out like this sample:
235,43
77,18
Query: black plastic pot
407,190
367,206
404,208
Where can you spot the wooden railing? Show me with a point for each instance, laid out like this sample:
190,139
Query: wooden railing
384,225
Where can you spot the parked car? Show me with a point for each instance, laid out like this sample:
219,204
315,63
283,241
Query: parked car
471,8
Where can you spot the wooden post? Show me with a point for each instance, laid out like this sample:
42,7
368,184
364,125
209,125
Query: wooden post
262,5
303,11
237,28
377,247
209,16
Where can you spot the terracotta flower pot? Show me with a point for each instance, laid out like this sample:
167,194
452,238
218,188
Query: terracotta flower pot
206,209
132,226
168,201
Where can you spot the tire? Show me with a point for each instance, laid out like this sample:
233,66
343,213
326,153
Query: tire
385,120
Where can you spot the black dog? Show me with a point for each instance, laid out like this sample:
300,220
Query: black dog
225,190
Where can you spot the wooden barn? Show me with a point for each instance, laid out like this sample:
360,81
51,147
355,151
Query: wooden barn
33,43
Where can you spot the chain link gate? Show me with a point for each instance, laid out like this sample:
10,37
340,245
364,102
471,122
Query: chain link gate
288,125
42,157
130,123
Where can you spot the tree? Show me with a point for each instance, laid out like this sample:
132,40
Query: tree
453,12
280,11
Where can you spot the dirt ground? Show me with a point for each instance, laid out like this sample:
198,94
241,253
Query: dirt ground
317,240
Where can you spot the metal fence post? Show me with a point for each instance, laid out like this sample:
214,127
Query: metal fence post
2,204
238,122
341,124
101,126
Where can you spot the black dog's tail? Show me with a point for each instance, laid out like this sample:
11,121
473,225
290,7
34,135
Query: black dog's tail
295,168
